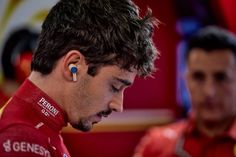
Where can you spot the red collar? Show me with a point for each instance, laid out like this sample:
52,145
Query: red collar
48,111
191,129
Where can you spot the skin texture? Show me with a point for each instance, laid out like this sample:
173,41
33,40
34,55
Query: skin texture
90,98
211,80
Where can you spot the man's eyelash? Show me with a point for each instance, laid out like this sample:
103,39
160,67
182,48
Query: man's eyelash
114,89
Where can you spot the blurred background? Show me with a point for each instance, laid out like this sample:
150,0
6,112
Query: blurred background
151,101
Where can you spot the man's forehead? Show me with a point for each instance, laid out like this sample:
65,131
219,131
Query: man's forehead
126,77
212,69
118,74
213,55
214,61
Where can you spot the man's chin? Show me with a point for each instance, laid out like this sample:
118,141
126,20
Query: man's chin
211,119
82,127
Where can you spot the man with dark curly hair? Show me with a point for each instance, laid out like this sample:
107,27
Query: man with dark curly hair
88,53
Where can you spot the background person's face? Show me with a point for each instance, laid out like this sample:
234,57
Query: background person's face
211,80
95,97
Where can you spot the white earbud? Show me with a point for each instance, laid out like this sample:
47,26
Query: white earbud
73,70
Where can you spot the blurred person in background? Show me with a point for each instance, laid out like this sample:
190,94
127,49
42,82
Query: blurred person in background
210,130
88,53
16,59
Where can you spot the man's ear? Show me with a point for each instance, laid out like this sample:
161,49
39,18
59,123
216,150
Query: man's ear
73,64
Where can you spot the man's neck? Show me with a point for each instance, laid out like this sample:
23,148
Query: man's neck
212,129
48,84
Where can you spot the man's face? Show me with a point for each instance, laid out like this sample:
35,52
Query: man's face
92,98
211,80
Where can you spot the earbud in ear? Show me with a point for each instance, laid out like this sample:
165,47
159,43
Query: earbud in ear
73,70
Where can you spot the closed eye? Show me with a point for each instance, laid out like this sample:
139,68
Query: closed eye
114,89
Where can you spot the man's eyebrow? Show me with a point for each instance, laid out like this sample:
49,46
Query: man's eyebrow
125,82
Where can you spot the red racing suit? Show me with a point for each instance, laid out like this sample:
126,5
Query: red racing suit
30,125
183,139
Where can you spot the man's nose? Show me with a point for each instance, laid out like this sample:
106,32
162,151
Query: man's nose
117,103
209,88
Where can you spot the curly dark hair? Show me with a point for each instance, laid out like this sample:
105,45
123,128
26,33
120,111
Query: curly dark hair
106,32
212,38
